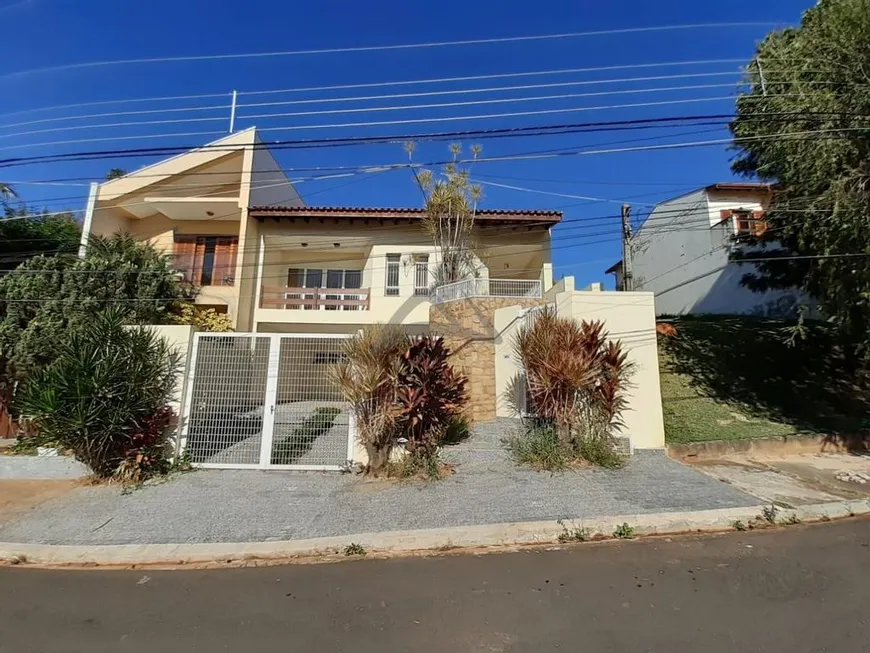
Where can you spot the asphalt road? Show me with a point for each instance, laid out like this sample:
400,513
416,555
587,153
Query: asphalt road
793,590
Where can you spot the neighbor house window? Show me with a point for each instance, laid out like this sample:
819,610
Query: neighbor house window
207,260
746,222
421,274
392,286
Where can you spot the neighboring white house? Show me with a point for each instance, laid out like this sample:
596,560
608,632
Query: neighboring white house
681,254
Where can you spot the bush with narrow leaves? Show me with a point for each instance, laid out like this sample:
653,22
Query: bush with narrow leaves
577,382
105,397
367,377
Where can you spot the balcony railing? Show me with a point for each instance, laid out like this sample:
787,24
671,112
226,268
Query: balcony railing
526,288
316,299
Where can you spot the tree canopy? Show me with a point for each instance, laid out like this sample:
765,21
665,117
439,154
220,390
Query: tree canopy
25,233
47,298
803,125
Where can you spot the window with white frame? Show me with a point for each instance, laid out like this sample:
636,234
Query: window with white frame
421,274
301,279
392,285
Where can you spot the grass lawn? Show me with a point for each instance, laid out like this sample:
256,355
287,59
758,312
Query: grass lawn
730,378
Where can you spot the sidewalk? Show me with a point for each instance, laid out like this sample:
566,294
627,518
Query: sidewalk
257,506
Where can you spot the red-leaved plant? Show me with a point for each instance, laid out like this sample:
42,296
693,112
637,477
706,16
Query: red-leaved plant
145,453
577,377
431,393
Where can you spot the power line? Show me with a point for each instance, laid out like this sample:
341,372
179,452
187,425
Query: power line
391,84
353,110
534,130
385,48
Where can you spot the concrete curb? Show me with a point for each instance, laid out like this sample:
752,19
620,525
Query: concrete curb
414,541
787,444
41,468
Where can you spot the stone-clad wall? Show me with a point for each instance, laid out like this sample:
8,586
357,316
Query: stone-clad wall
467,327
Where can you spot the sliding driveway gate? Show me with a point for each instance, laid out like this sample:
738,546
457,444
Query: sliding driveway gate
265,401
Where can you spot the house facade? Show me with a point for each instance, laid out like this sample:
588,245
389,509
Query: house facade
297,279
237,228
682,251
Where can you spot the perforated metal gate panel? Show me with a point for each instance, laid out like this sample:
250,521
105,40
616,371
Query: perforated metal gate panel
264,401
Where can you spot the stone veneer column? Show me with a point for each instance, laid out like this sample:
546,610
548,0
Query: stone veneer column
467,327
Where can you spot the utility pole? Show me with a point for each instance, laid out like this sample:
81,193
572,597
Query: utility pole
627,274
233,112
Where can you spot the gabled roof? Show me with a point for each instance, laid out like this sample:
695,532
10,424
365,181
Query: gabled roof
179,164
614,268
484,216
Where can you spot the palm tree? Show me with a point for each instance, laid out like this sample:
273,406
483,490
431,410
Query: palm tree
6,192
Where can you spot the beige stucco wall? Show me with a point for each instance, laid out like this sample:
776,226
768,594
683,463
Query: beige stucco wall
507,322
179,337
630,318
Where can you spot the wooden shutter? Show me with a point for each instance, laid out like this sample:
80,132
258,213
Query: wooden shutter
225,261
759,223
184,255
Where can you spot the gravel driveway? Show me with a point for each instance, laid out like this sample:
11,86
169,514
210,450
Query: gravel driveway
236,506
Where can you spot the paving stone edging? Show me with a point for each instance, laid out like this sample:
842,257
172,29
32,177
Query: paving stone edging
409,542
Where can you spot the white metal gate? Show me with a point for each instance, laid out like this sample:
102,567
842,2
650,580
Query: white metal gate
264,401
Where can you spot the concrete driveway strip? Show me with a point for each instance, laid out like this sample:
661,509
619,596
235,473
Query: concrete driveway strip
797,590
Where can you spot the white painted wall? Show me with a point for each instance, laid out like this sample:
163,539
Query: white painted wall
681,255
269,185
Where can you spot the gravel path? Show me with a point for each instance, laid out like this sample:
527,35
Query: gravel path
235,506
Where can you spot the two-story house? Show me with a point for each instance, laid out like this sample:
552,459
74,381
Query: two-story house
682,252
238,229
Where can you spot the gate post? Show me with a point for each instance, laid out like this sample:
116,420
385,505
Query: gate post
270,402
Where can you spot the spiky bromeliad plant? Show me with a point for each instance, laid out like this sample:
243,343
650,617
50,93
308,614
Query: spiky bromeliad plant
105,397
368,377
577,379
431,394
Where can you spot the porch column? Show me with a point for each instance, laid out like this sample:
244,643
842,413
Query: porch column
258,291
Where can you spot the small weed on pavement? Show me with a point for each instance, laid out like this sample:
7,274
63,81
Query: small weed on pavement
739,525
624,532
355,549
573,534
769,513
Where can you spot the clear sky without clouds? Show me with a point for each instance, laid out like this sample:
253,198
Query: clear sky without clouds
45,34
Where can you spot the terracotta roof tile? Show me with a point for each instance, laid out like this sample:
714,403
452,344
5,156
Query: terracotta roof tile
518,215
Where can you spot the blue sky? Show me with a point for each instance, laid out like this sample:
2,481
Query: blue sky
49,33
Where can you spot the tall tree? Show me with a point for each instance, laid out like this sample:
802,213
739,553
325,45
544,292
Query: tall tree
25,233
47,298
804,124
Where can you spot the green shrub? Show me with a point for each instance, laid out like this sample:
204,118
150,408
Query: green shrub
600,451
458,430
624,532
418,463
105,397
540,447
